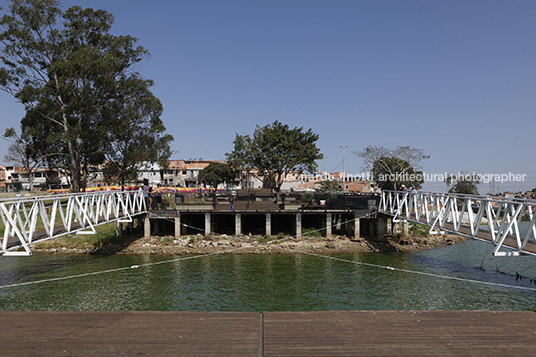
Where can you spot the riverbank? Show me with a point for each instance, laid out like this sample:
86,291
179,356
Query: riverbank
198,244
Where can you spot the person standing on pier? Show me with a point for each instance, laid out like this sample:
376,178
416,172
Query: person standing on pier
158,196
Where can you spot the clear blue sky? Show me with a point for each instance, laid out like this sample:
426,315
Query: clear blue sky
455,78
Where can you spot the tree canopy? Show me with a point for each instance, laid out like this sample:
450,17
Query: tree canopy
463,183
22,153
275,150
328,186
216,173
392,168
73,77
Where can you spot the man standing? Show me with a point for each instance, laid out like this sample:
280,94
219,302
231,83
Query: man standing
158,196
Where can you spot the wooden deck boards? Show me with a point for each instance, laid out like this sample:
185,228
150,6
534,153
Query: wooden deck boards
400,333
316,333
129,333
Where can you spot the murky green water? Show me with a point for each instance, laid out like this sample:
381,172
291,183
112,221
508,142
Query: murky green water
273,282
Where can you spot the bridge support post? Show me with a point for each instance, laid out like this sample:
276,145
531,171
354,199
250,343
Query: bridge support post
405,228
382,228
178,226
207,224
238,224
357,227
268,224
328,225
147,227
298,225
119,229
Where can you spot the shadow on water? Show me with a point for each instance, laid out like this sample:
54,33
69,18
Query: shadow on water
472,272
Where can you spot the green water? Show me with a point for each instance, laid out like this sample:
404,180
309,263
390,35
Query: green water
272,282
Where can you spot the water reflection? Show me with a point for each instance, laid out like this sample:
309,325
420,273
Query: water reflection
271,282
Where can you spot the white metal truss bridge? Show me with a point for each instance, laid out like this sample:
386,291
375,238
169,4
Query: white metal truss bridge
34,219
492,219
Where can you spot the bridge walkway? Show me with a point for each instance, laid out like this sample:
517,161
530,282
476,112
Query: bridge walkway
29,220
510,241
465,215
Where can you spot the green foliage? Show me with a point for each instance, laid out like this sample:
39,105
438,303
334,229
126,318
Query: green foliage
392,168
136,135
77,82
216,173
265,239
275,150
106,235
394,173
418,230
311,233
463,183
329,186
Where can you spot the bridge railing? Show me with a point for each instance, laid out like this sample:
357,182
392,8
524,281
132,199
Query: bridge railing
63,214
457,213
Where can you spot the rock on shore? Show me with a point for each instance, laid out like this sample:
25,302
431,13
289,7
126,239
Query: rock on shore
253,245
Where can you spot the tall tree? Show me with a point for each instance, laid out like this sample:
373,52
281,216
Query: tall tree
216,173
394,174
275,150
23,153
463,183
392,168
136,134
328,186
65,67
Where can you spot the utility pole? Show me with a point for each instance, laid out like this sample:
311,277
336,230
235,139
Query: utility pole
175,174
343,166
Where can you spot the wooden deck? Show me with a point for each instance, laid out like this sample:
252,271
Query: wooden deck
318,333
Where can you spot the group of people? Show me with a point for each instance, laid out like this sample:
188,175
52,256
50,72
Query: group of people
151,196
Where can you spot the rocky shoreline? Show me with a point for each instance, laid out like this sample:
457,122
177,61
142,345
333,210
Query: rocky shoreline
251,245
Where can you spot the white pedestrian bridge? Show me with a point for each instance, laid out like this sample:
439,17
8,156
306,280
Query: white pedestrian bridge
507,223
492,219
34,219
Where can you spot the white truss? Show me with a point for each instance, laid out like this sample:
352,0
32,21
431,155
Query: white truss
461,214
64,214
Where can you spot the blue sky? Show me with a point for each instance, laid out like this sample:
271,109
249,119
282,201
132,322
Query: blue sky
455,78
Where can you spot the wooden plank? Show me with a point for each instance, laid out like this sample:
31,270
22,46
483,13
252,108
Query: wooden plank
316,333
43,333
399,333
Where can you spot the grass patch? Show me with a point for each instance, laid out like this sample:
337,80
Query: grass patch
418,230
311,232
106,236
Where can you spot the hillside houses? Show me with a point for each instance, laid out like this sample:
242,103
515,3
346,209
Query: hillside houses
179,173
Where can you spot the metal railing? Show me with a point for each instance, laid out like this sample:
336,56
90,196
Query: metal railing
63,214
454,212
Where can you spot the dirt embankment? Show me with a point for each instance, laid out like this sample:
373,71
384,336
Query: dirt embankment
252,245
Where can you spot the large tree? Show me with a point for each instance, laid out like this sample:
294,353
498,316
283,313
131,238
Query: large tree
328,186
463,182
394,173
22,152
392,168
216,173
66,68
276,150
136,135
